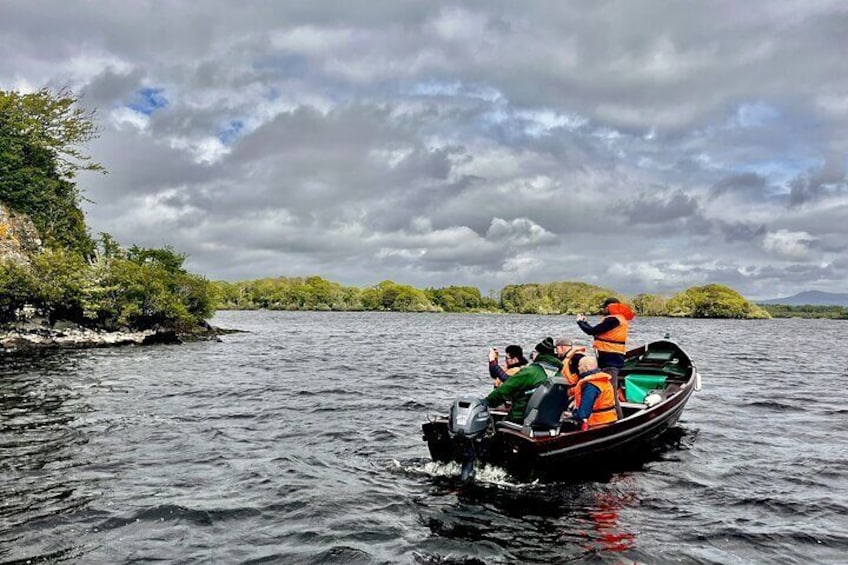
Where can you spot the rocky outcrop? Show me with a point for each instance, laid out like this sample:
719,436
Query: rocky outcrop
18,339
32,335
18,236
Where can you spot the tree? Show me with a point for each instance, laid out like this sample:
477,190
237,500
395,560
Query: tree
40,138
650,305
52,121
17,287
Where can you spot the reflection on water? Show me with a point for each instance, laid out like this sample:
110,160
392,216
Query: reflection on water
533,522
605,521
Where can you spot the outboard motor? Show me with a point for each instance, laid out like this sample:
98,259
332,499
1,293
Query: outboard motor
469,420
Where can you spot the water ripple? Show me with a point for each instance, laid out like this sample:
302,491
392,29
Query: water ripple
269,448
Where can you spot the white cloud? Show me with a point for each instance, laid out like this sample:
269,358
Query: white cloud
520,232
789,244
123,116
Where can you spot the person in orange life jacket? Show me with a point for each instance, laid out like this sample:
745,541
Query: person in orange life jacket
594,399
514,362
566,351
610,339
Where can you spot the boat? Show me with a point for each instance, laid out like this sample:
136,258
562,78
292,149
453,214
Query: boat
656,380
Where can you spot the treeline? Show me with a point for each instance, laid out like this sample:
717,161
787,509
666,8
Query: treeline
71,276
316,293
806,311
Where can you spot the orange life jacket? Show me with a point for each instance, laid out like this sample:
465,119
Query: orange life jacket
603,410
614,340
570,377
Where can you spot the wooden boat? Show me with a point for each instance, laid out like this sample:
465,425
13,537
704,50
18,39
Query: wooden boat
557,449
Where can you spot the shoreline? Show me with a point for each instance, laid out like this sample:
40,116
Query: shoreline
22,339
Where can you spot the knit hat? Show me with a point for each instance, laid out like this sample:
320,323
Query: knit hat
546,346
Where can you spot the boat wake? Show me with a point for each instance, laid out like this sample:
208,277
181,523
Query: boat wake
485,475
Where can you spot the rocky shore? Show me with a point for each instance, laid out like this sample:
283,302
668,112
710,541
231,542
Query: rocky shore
24,337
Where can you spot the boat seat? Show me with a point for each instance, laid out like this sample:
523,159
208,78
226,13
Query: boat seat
546,405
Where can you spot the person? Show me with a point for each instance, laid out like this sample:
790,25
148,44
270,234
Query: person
569,353
594,398
610,339
515,360
518,388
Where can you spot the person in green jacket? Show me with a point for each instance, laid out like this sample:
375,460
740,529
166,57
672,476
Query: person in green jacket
521,385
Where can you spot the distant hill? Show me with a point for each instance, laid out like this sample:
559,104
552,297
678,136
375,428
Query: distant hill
812,298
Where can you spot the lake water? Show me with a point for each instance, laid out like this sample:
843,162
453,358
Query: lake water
299,442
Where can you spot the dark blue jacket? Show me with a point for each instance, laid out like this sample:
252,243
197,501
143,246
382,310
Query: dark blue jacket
587,402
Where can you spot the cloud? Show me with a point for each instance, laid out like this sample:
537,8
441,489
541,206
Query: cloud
520,232
829,180
639,147
745,183
656,209
793,245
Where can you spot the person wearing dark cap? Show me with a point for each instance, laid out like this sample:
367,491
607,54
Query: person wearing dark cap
518,388
515,361
610,338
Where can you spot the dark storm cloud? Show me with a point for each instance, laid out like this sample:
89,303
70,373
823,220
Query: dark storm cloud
650,145
831,179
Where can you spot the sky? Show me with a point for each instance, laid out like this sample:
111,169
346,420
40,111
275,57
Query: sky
641,146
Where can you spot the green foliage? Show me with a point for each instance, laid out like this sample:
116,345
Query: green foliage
555,298
311,293
146,288
139,288
61,278
389,295
650,305
39,156
713,301
806,311
461,299
17,287
52,121
315,293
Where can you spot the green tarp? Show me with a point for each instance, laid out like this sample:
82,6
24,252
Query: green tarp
636,387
